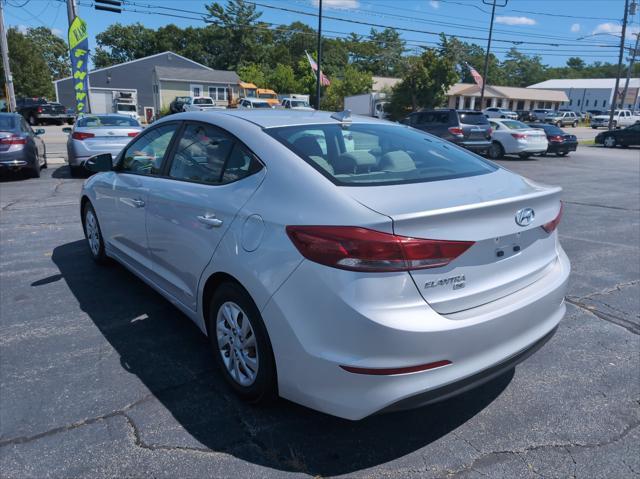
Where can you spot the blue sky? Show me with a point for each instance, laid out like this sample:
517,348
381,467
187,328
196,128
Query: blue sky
550,28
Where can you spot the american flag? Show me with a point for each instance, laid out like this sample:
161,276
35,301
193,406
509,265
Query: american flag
476,76
324,81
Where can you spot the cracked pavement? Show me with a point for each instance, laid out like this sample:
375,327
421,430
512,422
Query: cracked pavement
101,377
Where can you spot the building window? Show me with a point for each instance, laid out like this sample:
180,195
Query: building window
196,91
595,102
604,103
578,102
570,102
586,103
520,104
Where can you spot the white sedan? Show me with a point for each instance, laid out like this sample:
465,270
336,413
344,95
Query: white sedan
351,265
495,112
511,137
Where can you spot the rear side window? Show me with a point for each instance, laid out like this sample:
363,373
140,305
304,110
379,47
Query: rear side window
473,118
433,117
145,155
378,154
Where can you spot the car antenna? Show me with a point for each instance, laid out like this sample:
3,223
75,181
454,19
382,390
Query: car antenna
342,116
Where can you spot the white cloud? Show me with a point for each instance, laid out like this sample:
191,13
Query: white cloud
434,4
338,3
515,20
575,27
56,31
615,29
22,28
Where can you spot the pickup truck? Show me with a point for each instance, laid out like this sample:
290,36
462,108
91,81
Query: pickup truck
39,111
200,103
620,118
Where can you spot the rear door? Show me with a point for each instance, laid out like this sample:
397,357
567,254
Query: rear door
210,177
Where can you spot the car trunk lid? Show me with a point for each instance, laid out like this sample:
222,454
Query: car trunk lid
505,256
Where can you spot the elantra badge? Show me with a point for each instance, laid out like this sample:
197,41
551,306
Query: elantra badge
525,216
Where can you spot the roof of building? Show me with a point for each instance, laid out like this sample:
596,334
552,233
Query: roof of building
111,67
564,83
380,83
508,92
193,74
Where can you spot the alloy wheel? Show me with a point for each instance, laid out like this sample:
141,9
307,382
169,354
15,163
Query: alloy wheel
93,233
237,343
610,142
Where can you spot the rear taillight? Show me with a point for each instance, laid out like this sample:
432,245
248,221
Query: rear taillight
132,133
556,138
79,135
39,109
490,131
13,140
552,225
455,130
361,249
519,136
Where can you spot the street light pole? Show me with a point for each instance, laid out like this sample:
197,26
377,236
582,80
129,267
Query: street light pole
485,70
631,62
71,10
318,74
8,77
614,103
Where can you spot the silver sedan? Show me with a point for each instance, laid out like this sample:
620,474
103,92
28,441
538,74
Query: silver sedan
351,265
95,134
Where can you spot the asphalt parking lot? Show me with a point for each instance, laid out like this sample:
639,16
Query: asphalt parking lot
101,377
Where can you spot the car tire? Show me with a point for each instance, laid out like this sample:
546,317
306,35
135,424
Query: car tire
93,234
594,127
614,124
524,156
575,124
562,153
45,165
33,121
495,151
609,142
237,334
69,122
558,124
35,171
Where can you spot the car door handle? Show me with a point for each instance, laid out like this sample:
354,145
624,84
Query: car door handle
210,220
138,203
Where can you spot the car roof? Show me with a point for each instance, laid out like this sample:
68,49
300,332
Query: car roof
273,118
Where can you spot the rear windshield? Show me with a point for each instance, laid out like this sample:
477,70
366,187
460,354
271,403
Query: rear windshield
8,123
549,129
514,125
473,118
299,103
126,107
98,121
202,101
377,154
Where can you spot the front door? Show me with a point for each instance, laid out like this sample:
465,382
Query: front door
210,177
122,196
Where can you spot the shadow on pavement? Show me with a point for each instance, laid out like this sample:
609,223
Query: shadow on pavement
172,358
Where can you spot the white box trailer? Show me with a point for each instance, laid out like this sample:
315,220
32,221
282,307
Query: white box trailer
368,104
108,100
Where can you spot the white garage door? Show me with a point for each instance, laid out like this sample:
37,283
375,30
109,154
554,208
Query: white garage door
101,101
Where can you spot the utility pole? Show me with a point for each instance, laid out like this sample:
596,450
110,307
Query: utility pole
72,10
631,62
614,103
486,56
8,77
318,74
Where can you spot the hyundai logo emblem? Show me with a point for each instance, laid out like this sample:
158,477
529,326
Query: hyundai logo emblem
525,216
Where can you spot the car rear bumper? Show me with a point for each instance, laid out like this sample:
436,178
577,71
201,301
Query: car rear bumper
15,160
322,319
562,147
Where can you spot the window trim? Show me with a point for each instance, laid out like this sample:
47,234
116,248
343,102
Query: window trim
169,160
169,153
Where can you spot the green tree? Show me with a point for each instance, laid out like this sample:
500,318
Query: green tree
53,49
253,73
31,75
353,82
282,79
576,63
462,54
424,83
122,43
522,70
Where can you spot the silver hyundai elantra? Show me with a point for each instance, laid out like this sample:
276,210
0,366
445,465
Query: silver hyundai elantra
348,264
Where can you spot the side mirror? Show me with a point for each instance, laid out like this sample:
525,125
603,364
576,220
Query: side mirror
39,131
98,163
66,130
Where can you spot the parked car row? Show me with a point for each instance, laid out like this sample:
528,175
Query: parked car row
264,99
493,137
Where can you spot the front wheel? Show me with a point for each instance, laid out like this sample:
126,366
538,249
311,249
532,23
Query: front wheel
241,344
610,142
495,151
33,121
575,124
93,234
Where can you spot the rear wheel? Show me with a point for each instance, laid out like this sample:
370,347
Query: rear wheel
495,151
241,345
93,234
76,171
610,142
524,156
33,121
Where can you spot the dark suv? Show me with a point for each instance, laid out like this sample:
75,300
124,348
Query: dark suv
467,128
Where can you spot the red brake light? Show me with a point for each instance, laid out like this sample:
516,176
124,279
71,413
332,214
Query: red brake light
39,109
361,249
133,133
13,140
553,224
519,136
455,130
556,138
78,135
